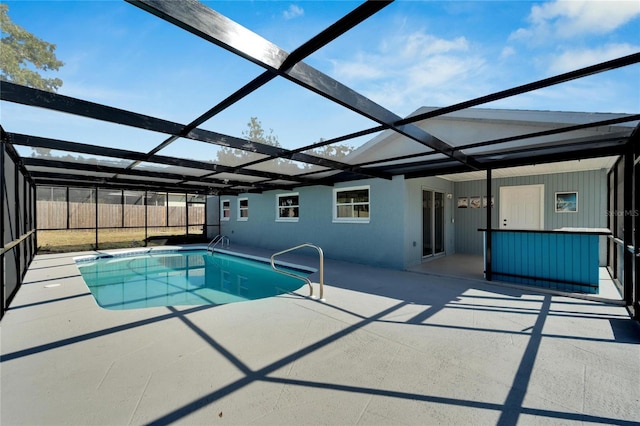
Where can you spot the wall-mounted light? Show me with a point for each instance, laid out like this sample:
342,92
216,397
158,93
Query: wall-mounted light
449,196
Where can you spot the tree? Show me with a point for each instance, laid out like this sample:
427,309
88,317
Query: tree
255,133
20,51
332,152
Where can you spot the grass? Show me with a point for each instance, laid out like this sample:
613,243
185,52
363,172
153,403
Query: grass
70,240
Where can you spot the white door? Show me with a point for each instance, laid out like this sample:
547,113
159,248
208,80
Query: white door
522,207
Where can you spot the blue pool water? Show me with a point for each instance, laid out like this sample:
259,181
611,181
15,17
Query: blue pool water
184,277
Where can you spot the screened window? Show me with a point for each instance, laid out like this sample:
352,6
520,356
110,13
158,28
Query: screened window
225,213
351,204
82,208
288,207
243,208
51,193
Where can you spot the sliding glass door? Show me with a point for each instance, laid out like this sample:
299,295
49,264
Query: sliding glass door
432,223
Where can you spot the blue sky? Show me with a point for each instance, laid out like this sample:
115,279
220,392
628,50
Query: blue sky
411,54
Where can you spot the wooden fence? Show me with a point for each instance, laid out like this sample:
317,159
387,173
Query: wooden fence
53,215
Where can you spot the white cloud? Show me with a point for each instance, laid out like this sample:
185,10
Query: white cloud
566,19
574,59
358,70
414,69
420,44
507,52
592,95
293,12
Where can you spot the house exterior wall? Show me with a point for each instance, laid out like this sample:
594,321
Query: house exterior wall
592,204
212,227
467,221
393,236
413,217
379,242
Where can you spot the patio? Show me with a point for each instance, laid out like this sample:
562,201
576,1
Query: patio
388,347
187,151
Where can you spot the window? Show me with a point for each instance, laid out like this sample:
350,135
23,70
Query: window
243,208
225,210
351,204
287,207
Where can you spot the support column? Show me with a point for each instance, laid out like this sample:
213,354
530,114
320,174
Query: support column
34,218
123,206
68,207
146,217
166,210
487,266
17,226
96,195
25,221
205,227
186,211
636,226
627,226
2,200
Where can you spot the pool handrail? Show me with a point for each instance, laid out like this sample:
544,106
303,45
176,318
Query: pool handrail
217,239
307,280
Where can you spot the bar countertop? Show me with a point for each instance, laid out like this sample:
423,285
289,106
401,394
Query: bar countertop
589,231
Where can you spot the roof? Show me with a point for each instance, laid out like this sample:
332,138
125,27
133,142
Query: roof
500,138
450,140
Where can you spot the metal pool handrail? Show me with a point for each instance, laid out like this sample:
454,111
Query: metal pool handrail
218,238
307,280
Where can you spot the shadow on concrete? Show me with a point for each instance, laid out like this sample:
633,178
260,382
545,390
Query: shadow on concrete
437,293
510,411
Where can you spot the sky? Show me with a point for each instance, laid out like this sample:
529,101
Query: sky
409,55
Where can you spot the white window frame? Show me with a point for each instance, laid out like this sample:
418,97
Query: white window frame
222,210
337,219
278,207
241,209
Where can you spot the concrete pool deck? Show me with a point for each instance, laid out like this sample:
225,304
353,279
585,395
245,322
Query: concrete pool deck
387,347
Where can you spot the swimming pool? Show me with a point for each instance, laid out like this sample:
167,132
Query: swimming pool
182,277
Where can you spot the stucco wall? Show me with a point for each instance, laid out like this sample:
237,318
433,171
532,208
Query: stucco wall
379,242
213,216
592,197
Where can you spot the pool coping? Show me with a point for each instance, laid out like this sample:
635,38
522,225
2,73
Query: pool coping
137,253
121,253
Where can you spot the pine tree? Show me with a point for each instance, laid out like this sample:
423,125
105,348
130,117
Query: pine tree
21,51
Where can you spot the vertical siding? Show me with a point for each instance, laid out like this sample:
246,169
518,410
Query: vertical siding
567,262
467,221
590,185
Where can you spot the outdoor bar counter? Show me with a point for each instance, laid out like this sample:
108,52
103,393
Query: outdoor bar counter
566,259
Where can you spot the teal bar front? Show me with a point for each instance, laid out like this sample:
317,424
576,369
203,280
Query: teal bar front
563,260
